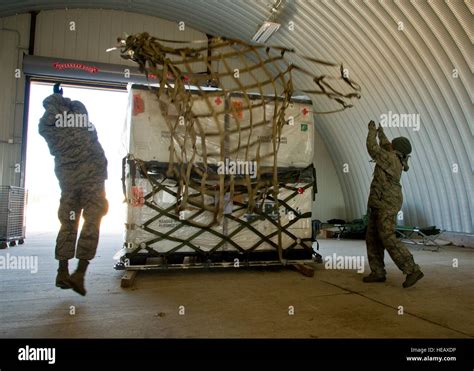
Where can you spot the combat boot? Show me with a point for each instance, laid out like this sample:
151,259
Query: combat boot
63,275
372,277
413,278
76,280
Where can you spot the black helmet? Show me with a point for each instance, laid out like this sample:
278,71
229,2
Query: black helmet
402,145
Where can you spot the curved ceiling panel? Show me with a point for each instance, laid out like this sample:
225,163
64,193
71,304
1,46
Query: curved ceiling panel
409,57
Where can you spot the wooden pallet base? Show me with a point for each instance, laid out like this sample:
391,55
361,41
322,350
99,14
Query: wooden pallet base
128,278
305,270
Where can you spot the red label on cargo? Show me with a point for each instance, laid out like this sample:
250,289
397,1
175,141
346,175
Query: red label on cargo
138,104
137,197
238,107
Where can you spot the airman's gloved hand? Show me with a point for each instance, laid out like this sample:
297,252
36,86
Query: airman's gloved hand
57,89
372,125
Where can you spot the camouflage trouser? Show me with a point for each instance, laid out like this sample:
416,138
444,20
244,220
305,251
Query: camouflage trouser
88,199
381,236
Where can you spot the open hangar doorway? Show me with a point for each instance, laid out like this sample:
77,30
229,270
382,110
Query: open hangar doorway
107,109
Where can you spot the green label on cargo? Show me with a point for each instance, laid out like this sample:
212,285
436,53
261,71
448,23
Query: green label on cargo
304,127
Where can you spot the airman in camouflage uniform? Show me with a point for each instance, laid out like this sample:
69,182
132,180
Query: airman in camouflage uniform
385,200
81,169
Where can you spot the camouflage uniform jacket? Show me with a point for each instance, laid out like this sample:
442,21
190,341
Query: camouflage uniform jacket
385,189
78,155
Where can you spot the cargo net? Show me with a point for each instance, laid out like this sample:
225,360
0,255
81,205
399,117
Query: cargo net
209,126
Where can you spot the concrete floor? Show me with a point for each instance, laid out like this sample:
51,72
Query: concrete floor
240,304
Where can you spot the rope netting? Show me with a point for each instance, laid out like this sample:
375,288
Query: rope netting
188,106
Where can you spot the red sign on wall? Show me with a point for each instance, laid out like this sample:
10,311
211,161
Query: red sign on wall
75,66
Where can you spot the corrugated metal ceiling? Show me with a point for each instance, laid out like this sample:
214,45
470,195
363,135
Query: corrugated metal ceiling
405,68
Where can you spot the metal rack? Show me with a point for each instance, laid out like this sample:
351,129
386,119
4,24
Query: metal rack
12,216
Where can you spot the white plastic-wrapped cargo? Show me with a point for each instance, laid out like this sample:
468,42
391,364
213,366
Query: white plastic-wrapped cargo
233,128
144,224
148,133
296,138
248,130
295,218
155,228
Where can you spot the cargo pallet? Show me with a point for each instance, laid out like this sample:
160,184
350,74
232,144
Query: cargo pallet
131,270
266,230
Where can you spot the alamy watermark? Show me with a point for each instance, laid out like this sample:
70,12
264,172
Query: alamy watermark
400,120
28,353
20,262
335,261
231,167
73,120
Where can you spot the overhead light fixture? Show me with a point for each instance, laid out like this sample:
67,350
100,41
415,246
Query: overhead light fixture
266,30
270,26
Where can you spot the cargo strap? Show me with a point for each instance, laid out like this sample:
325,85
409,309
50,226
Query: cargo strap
170,213
267,69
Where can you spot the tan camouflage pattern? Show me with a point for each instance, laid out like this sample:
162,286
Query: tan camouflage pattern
78,155
81,169
88,200
385,200
381,236
385,190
